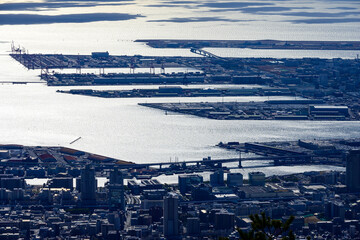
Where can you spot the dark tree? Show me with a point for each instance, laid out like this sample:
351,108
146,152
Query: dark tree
265,228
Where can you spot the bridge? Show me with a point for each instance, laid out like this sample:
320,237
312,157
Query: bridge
11,82
279,160
205,53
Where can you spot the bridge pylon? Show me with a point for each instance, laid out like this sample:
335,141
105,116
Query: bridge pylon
240,164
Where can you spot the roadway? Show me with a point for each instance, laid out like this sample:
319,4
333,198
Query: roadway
217,161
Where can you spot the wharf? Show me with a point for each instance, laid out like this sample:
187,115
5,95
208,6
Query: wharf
63,61
181,92
279,153
324,151
269,110
330,152
47,157
307,77
253,44
334,80
123,79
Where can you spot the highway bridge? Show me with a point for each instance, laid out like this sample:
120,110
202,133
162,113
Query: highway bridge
205,53
12,82
279,160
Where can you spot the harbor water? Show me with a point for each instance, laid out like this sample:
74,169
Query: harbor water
35,114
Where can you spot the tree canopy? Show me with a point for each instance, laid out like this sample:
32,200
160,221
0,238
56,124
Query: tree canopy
265,228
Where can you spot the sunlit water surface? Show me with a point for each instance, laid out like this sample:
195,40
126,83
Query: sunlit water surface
35,114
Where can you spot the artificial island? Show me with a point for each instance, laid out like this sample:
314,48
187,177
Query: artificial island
328,88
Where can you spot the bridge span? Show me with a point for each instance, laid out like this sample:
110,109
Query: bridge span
279,160
12,82
205,53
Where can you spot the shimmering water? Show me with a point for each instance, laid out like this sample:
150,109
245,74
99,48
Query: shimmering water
35,114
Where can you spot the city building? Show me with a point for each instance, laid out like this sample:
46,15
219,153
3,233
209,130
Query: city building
88,185
257,179
217,178
224,220
193,226
353,171
61,182
171,217
116,176
185,182
234,179
115,187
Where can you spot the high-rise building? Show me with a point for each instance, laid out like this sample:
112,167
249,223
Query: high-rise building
171,217
193,226
11,182
116,189
185,182
88,185
234,179
202,193
257,179
217,178
334,209
116,177
61,182
224,221
116,196
353,171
